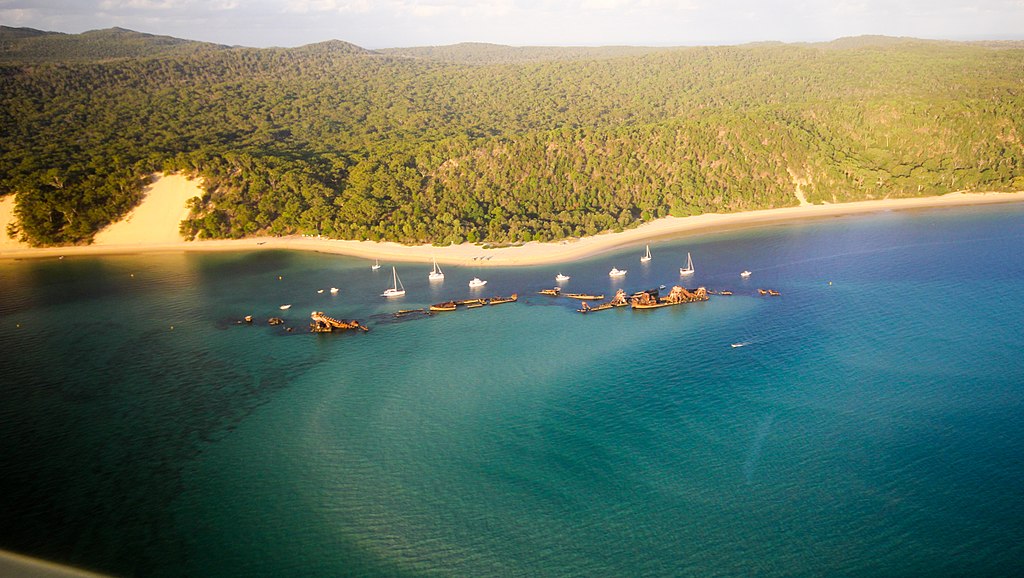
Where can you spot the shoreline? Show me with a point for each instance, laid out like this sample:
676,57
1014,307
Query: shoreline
527,254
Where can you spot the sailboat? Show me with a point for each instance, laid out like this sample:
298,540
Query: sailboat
688,270
397,290
647,256
436,274
375,266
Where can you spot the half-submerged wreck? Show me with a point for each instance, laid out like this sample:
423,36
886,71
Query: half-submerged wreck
618,301
324,324
499,300
584,296
678,296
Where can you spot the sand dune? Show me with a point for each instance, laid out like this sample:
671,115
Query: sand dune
155,221
153,226
7,216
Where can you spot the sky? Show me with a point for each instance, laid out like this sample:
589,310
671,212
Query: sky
402,23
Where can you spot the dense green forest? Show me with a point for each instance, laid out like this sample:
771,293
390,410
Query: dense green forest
491,143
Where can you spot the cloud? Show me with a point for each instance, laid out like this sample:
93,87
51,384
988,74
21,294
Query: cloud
331,6
384,23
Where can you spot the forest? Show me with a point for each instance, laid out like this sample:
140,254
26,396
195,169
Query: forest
487,143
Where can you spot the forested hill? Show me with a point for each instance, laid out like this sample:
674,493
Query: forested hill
490,143
28,45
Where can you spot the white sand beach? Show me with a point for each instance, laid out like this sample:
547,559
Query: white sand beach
153,226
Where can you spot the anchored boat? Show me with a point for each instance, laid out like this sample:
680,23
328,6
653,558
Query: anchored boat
397,290
646,256
688,270
436,274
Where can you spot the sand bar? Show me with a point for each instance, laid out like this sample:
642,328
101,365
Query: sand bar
12,564
150,229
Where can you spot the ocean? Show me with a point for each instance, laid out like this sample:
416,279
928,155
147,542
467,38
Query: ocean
871,423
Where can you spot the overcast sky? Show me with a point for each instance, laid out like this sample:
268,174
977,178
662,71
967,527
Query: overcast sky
393,23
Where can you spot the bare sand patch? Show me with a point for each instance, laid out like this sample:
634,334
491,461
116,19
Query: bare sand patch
156,220
7,217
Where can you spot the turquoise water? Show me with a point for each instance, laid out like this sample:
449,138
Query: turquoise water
870,426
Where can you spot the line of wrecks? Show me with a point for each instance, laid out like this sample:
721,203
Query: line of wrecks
646,299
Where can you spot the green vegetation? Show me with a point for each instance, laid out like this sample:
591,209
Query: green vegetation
491,143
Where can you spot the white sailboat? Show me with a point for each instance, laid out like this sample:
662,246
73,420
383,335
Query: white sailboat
617,272
436,274
397,290
375,266
688,270
647,256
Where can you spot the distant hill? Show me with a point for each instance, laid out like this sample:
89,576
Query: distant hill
481,142
874,41
331,47
28,45
483,53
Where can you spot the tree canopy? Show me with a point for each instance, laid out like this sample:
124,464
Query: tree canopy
491,143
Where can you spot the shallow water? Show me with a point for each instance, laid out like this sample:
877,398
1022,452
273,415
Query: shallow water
870,425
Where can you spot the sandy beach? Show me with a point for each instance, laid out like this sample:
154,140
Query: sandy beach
153,227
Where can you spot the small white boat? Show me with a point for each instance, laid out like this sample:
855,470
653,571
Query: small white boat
375,266
647,256
741,344
561,277
436,274
477,282
319,290
283,307
617,272
688,270
334,290
397,290
745,274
